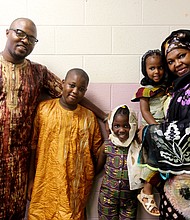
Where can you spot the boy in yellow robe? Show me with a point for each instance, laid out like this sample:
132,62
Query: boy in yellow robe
65,146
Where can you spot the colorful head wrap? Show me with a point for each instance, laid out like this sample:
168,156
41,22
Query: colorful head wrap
177,39
132,121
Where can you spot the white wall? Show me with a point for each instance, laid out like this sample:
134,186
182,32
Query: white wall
104,37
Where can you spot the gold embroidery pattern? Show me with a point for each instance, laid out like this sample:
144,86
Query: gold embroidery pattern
12,82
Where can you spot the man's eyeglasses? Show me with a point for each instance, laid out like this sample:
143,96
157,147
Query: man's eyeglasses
22,35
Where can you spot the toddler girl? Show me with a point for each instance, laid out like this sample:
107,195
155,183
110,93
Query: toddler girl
152,97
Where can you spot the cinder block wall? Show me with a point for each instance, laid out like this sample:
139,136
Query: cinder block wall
105,37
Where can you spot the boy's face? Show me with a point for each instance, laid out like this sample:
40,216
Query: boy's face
74,88
121,127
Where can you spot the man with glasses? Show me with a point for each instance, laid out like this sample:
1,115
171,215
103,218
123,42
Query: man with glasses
21,82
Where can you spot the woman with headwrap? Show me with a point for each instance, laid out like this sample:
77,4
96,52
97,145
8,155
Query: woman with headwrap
168,144
118,192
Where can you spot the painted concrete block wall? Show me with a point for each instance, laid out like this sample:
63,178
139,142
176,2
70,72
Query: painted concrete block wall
105,37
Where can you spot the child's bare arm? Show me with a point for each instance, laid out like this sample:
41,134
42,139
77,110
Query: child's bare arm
101,160
145,111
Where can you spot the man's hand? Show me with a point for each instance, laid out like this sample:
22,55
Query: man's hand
29,191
